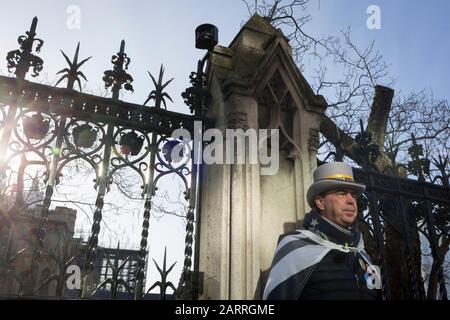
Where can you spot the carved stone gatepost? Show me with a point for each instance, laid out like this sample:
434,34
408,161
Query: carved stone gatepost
255,84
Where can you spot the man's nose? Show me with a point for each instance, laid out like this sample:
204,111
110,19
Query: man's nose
350,198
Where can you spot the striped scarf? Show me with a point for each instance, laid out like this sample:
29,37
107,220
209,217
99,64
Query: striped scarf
299,252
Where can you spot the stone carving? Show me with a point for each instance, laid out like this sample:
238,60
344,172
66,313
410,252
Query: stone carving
237,120
314,139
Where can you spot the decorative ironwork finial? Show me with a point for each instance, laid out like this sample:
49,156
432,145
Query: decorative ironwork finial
418,166
115,281
32,31
339,154
364,137
163,284
72,74
118,76
368,152
60,275
197,96
158,93
122,47
23,58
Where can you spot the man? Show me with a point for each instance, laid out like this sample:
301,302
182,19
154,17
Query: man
326,259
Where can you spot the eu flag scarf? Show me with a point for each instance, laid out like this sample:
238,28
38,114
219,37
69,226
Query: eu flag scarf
299,252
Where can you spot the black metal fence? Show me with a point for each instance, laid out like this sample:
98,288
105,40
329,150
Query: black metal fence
52,127
405,222
403,217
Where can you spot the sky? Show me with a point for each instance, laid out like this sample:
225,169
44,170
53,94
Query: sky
413,39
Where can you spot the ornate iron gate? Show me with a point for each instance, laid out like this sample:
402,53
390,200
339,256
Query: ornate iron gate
395,211
51,127
398,209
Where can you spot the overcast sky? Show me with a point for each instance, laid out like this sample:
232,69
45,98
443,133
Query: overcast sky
413,39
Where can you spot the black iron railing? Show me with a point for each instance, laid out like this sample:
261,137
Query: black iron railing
52,127
399,217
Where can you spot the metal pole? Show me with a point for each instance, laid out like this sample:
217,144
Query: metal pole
101,190
434,247
149,191
186,276
198,231
409,259
51,183
374,212
120,77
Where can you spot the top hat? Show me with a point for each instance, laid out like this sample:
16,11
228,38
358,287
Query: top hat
331,176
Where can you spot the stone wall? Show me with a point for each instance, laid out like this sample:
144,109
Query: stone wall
255,85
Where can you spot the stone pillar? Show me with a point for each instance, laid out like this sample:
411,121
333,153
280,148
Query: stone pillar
242,113
255,84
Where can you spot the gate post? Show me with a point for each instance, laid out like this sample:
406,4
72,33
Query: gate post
255,84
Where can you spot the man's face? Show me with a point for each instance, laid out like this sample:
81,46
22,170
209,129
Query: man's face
339,206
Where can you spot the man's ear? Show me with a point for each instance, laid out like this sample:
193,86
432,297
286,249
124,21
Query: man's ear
320,202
